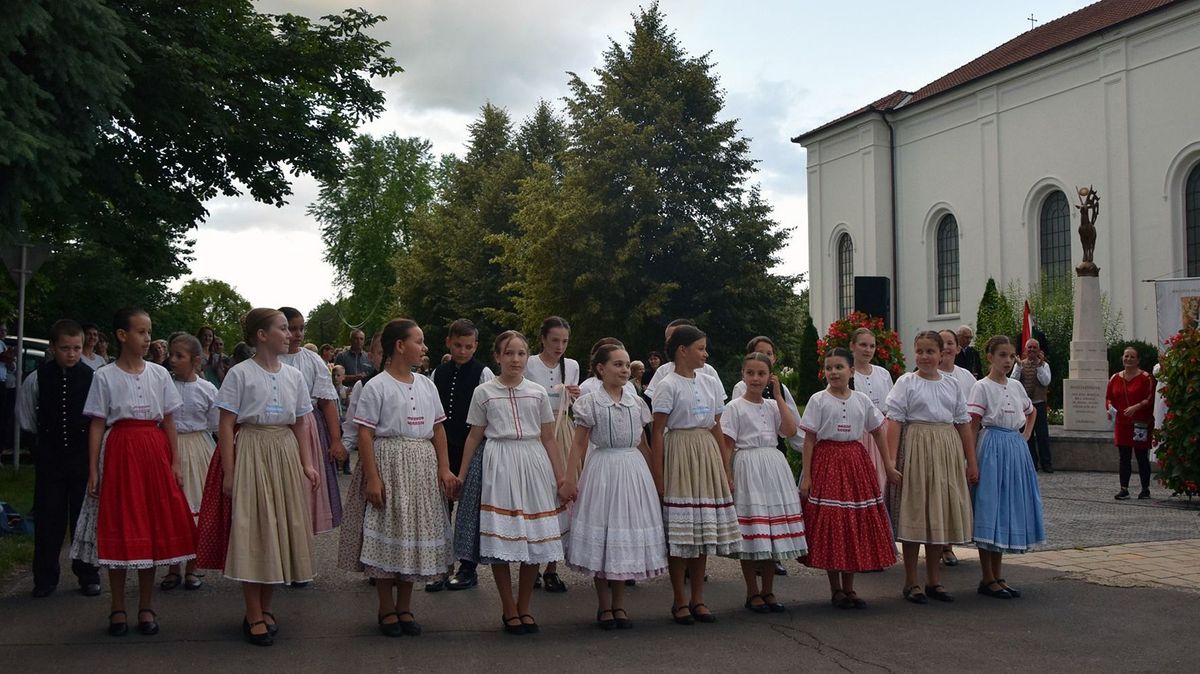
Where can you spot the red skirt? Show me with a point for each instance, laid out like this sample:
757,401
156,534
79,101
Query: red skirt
845,520
143,519
212,532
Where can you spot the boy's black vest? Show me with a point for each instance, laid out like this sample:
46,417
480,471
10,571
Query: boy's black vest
456,384
61,427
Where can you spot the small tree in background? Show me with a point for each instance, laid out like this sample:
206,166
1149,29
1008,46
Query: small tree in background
997,316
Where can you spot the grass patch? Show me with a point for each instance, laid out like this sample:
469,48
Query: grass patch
16,488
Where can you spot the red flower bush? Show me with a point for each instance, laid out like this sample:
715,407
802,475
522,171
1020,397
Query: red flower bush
1178,451
888,353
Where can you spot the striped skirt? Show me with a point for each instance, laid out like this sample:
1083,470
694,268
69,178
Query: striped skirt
520,517
698,508
769,514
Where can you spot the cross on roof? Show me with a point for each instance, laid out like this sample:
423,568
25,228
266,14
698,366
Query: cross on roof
1032,21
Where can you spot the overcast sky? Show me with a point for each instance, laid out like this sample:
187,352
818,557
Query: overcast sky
785,66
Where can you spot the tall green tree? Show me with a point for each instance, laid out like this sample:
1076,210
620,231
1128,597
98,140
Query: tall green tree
204,302
211,98
367,217
653,218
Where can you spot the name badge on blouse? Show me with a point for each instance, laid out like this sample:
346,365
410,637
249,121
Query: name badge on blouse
415,421
700,410
140,409
843,428
274,408
1008,409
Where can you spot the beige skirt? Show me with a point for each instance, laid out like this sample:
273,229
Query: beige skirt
270,538
564,432
195,453
935,503
698,506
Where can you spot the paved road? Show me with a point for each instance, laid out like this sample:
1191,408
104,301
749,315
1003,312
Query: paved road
1061,624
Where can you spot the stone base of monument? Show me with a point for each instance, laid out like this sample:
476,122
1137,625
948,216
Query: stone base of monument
1083,405
1091,451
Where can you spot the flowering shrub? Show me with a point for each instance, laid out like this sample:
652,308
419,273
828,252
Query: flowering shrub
1179,448
888,353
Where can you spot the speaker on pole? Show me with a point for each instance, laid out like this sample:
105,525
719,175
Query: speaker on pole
873,296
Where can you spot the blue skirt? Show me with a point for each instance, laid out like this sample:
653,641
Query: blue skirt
1008,503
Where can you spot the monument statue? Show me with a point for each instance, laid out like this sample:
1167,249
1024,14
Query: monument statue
1089,208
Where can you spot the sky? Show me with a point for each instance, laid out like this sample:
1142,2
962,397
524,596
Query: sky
785,67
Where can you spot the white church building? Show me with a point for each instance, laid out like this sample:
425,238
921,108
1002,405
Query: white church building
974,175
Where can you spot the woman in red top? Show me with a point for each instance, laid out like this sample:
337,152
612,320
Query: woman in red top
1130,396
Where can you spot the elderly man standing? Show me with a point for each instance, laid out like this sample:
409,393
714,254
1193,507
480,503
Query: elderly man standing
968,356
355,361
1033,372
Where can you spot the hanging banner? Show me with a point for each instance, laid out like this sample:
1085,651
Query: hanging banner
1178,303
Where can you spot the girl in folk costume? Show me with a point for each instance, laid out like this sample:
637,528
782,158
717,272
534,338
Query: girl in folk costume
692,471
397,528
617,529
560,377
137,516
1008,504
874,382
520,517
966,381
847,523
269,477
323,424
195,423
930,436
593,383
768,508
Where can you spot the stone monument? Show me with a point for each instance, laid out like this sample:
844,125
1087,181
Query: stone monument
1083,390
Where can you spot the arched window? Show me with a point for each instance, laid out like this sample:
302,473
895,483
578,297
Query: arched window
947,265
1054,238
845,274
1191,193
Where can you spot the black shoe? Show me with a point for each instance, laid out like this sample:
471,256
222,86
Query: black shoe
531,627
390,629
757,608
1122,495
273,626
148,627
779,569
90,589
1047,469
913,594
682,619
1143,494
553,583
774,604
436,585
999,593
117,629
513,628
43,591
703,617
264,639
463,580
939,593
170,582
606,624
297,584
192,582
1016,594
630,583
410,628
623,623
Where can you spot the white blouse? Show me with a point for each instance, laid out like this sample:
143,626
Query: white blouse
739,390
592,385
94,361
938,401
694,402
1005,405
315,371
396,409
349,428
510,413
199,412
551,378
265,398
613,424
875,386
751,425
964,379
669,368
117,394
830,418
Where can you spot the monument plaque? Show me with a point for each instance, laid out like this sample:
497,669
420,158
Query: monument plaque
1087,378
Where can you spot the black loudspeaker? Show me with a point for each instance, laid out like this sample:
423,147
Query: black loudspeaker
873,296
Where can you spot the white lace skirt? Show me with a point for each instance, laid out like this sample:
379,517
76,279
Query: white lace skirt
520,517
